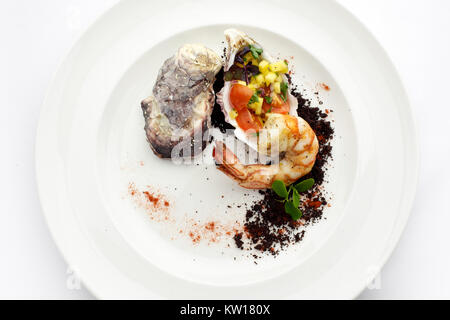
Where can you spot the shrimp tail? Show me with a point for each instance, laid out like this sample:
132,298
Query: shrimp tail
227,162
252,176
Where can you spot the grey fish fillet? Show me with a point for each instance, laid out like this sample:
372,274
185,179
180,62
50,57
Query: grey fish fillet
180,108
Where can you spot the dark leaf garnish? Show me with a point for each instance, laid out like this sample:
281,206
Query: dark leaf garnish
235,73
252,70
239,58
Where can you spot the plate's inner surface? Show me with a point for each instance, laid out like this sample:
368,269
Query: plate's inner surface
189,233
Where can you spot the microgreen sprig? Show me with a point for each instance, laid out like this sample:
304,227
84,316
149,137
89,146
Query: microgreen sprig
254,98
291,195
255,51
284,89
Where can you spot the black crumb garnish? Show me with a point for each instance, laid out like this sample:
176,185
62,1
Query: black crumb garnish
238,240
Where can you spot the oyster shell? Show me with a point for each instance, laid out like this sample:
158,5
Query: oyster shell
178,112
236,40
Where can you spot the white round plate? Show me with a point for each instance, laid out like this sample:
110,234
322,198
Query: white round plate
91,147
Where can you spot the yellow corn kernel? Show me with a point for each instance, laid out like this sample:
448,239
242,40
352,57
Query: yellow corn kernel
253,86
257,106
242,82
277,87
248,57
279,78
233,114
270,78
259,79
279,66
263,66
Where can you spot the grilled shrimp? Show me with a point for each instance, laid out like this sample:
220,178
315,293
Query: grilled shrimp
289,137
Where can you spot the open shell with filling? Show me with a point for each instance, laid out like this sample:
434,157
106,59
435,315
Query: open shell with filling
248,64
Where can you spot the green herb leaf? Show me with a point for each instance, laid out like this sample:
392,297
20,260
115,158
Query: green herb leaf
292,210
254,98
304,185
295,198
280,188
268,99
258,92
255,51
284,88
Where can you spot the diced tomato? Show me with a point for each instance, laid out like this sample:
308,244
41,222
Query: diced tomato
277,105
240,96
247,121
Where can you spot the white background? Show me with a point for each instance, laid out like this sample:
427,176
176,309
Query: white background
35,35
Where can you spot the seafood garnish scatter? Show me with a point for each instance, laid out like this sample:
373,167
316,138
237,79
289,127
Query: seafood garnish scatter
291,136
179,111
256,99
